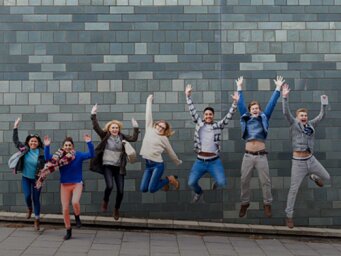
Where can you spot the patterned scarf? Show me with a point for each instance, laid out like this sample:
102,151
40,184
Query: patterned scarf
60,158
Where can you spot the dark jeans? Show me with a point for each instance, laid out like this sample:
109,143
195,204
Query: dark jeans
111,172
28,187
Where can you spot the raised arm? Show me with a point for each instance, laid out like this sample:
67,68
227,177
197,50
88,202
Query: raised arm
18,144
241,103
321,115
149,113
232,110
133,138
47,143
285,104
91,149
95,124
274,98
195,117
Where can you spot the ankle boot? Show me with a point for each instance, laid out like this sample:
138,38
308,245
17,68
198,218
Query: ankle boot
36,224
116,214
173,180
68,234
78,221
29,213
104,206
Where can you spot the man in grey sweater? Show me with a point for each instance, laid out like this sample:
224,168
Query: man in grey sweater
304,163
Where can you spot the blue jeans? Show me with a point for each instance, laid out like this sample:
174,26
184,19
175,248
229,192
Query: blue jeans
151,180
29,191
199,168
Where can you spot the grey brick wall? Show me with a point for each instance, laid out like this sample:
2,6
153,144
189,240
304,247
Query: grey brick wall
59,57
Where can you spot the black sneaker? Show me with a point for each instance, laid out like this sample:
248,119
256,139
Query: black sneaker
68,234
78,221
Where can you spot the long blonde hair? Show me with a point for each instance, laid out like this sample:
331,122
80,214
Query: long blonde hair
168,131
108,124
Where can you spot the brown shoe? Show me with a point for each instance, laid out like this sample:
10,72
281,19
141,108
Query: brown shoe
267,210
29,213
36,225
104,206
289,222
173,180
165,187
243,209
116,214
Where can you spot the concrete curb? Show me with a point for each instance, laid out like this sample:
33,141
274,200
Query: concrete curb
109,222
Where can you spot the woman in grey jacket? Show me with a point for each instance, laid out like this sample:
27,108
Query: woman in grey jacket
304,163
110,157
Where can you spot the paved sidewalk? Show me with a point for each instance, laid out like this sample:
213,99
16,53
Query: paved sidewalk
19,239
172,225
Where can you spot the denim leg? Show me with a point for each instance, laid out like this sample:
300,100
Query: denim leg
315,167
216,169
146,178
26,187
298,172
156,183
262,168
197,171
36,199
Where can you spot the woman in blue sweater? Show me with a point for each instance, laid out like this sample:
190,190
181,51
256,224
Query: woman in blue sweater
29,165
71,180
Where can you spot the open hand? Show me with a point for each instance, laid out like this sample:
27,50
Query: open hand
134,123
17,122
47,140
285,90
188,90
94,110
87,138
279,82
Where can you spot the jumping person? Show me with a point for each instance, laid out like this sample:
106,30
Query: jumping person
29,164
207,138
155,142
255,125
69,163
110,157
304,163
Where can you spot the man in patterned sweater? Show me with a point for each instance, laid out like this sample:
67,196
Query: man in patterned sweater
207,138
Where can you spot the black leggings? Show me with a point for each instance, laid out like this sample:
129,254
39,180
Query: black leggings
111,171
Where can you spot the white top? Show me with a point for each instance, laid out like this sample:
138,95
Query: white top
154,144
206,135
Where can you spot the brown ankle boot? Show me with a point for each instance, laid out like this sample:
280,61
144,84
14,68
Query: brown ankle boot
29,213
173,180
36,225
267,210
243,209
104,206
289,222
165,187
116,214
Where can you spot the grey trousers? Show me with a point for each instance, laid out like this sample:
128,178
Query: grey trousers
260,163
300,169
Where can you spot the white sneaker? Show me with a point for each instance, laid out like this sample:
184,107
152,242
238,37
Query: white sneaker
196,198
